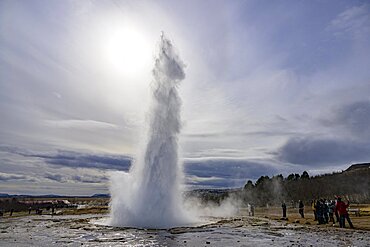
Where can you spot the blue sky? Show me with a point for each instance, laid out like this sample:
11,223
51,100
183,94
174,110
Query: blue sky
271,87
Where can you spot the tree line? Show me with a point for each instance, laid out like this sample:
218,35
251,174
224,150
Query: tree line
353,185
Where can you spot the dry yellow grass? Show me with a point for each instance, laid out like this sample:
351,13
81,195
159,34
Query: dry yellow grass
361,222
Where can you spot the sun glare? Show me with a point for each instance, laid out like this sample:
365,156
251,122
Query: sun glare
127,51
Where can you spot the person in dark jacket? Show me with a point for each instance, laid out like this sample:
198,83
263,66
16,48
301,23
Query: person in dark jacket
283,206
325,211
320,212
301,208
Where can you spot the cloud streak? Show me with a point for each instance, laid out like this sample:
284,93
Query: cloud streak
76,123
200,172
354,21
4,177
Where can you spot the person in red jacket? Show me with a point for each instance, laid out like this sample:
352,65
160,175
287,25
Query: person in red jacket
341,208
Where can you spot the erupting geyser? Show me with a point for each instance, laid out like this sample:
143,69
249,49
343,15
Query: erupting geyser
149,196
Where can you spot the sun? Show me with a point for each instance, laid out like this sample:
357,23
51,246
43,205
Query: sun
127,51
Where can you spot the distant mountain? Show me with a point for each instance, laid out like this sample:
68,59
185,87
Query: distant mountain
4,195
100,196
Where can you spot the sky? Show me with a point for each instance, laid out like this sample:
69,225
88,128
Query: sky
271,87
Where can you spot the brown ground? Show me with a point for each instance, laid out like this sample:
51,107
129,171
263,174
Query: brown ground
361,222
274,213
65,211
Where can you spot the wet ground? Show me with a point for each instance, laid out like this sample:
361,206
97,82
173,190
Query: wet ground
82,230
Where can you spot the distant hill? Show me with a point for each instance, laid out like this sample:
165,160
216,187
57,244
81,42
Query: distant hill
362,166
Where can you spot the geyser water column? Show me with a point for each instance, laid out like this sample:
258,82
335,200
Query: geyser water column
149,196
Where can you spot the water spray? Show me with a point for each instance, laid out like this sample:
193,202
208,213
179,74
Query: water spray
149,196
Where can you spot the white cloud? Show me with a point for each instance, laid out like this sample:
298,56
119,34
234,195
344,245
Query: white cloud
354,21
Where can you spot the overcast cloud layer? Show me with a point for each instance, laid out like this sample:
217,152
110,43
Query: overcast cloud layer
271,87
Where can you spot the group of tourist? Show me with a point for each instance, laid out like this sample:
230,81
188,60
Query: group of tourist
38,211
325,210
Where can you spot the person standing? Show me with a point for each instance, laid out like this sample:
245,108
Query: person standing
252,210
301,208
325,211
313,206
335,211
319,212
341,208
331,206
283,206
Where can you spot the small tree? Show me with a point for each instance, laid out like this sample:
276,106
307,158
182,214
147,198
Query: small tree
305,175
290,177
262,180
249,185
